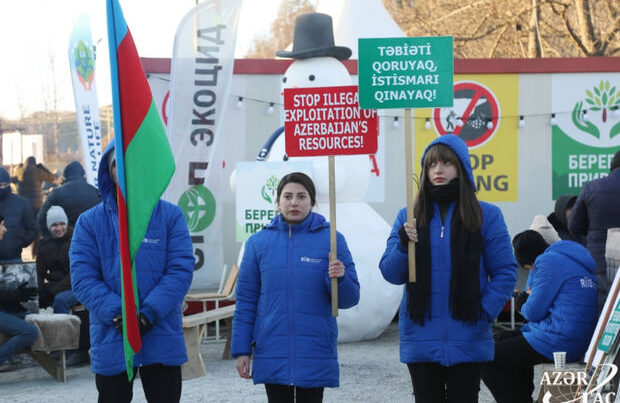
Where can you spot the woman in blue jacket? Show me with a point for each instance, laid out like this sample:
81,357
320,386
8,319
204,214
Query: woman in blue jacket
283,311
466,273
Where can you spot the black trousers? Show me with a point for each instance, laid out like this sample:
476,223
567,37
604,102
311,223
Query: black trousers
510,376
161,384
292,394
435,383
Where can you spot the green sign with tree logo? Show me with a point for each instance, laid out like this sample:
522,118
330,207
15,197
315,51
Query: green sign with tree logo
405,72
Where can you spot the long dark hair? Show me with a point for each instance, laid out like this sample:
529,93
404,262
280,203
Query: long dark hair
468,205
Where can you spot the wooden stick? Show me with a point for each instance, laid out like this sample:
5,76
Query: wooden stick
333,245
410,195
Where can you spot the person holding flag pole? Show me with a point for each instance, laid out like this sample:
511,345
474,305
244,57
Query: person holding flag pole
131,256
465,274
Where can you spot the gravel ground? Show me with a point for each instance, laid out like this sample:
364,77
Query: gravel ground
369,372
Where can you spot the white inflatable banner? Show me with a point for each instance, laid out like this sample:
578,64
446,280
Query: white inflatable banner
82,63
201,74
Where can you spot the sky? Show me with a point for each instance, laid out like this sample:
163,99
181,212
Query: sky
34,32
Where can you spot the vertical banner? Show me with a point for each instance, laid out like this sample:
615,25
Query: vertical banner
202,67
587,130
257,185
481,116
82,64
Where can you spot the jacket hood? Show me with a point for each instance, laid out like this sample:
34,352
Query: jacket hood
4,175
74,171
561,204
574,251
313,222
459,147
105,182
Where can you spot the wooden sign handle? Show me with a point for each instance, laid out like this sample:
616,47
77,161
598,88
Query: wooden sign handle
410,195
333,244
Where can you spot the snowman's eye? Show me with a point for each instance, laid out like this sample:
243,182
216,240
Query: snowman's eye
311,77
284,80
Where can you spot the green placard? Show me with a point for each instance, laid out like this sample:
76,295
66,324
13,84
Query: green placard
405,72
611,330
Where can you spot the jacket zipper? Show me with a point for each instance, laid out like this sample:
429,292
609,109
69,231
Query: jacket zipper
291,261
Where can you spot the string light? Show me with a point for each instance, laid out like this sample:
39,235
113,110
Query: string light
395,124
459,122
585,115
427,125
489,123
239,104
271,109
616,110
552,121
521,121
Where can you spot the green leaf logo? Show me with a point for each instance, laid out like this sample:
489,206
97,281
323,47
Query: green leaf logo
84,64
269,189
198,205
602,99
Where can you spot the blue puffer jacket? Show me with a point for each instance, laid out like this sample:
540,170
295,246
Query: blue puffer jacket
283,313
164,268
562,308
443,339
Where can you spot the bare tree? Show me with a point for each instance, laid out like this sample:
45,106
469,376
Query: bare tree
282,28
515,28
51,101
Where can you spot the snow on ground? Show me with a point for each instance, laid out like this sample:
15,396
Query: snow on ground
369,372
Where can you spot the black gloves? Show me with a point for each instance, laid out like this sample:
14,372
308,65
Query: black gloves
22,293
143,323
520,299
404,238
46,299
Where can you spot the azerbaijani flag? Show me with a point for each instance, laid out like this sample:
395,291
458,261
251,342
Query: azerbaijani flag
144,164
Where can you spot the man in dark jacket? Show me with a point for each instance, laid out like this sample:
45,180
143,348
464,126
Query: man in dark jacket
19,220
596,210
559,218
30,177
75,196
22,334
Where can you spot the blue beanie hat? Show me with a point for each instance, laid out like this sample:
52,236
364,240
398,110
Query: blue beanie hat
4,175
73,170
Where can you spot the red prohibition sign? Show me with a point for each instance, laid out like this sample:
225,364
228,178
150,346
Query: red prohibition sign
476,106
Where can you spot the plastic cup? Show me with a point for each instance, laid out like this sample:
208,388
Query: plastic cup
559,359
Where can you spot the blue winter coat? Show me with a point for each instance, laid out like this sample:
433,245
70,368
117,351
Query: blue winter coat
562,308
283,314
598,208
164,268
443,339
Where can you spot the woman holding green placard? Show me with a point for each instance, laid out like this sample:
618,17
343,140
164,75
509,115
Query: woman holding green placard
466,273
283,315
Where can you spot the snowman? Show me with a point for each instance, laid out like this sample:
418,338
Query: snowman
318,64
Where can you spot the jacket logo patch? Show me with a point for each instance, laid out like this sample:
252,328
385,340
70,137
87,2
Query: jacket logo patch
587,283
151,240
310,260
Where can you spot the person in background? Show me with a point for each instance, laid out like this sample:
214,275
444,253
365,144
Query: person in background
30,177
164,265
559,218
466,273
75,196
283,311
596,210
561,314
19,222
22,334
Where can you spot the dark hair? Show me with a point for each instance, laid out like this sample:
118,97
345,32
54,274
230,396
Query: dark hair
528,245
469,207
299,178
1,218
615,162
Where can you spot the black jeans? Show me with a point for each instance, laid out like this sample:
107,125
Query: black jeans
161,383
434,383
510,376
292,394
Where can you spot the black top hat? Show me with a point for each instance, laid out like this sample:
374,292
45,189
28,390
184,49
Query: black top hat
314,37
